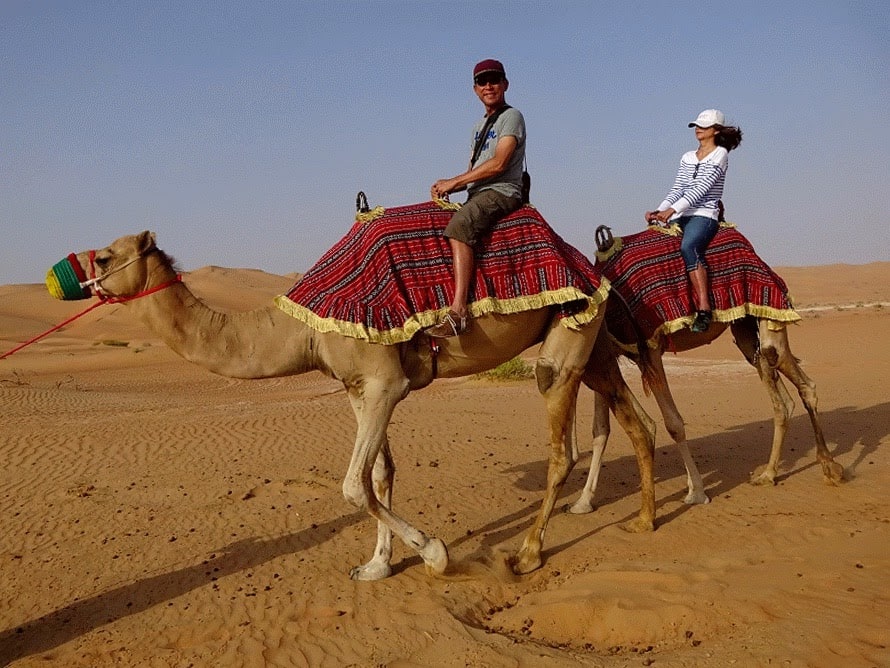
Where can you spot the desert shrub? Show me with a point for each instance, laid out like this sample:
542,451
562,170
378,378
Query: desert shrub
515,369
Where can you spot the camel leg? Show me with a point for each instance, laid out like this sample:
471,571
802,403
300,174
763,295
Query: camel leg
601,431
558,371
383,476
675,426
673,421
761,352
376,400
603,376
783,408
789,366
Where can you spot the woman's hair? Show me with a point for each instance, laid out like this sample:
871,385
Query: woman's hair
728,136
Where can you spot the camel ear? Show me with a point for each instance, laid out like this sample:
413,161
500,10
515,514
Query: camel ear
145,241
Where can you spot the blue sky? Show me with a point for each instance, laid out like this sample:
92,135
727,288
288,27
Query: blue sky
240,132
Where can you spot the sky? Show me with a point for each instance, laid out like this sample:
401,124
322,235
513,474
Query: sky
241,132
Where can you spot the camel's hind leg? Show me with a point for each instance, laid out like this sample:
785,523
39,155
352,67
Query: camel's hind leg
601,431
765,359
768,351
560,364
789,366
368,482
559,371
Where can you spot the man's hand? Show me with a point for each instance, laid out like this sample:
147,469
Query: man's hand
441,188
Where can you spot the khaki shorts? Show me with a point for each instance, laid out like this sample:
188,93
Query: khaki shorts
477,216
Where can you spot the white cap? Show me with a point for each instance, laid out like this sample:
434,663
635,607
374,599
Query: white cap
709,117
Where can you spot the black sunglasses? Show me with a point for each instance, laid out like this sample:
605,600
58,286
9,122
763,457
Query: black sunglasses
488,78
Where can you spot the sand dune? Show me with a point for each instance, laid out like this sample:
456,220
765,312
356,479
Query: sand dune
157,515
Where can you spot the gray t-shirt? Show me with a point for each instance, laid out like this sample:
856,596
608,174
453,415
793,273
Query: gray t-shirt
509,182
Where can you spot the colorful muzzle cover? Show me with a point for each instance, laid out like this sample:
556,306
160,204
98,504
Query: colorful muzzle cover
66,278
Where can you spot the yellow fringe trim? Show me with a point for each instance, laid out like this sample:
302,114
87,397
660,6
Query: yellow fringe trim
447,205
420,321
368,216
673,230
776,319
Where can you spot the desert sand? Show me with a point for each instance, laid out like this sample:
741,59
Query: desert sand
157,515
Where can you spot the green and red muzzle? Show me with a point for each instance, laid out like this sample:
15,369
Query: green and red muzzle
67,280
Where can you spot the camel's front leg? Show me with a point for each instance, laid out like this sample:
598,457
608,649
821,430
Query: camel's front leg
673,421
563,356
383,476
783,407
368,482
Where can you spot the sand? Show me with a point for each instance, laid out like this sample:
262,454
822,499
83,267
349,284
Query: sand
157,515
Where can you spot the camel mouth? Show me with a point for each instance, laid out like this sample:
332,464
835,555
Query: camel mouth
65,280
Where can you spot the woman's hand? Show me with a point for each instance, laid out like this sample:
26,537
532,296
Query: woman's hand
664,216
650,216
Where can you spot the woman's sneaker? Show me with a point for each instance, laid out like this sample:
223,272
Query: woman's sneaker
702,321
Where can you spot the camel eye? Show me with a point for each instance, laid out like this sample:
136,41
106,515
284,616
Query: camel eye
103,261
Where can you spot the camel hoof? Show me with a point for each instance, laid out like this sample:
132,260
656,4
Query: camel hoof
522,563
373,570
639,525
833,473
764,478
580,508
696,498
435,556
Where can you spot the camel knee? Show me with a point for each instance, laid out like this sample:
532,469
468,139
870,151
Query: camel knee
545,374
355,493
807,392
676,431
771,355
550,374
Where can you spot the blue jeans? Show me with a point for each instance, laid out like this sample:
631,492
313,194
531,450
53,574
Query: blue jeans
697,234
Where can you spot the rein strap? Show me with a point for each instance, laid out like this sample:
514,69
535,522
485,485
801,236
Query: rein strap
102,300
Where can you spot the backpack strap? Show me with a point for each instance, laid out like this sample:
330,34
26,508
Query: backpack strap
480,141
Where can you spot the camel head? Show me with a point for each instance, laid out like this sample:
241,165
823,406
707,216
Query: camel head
126,267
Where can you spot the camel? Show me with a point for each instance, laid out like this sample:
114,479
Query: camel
269,343
765,346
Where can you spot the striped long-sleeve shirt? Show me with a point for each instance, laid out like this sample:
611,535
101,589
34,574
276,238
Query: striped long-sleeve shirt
699,185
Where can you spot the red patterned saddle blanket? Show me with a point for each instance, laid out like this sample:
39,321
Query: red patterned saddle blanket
647,270
390,276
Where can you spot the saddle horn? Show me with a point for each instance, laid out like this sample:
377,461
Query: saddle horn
361,202
604,238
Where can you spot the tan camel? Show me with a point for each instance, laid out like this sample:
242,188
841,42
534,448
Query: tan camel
764,344
268,343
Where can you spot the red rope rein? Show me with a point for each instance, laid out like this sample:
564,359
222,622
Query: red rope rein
102,300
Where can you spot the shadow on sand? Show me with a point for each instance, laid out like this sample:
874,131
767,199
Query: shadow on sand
85,615
855,433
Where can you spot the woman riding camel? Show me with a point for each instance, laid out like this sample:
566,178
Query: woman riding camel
693,202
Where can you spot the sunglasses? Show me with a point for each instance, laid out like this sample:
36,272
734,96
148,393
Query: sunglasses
488,78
